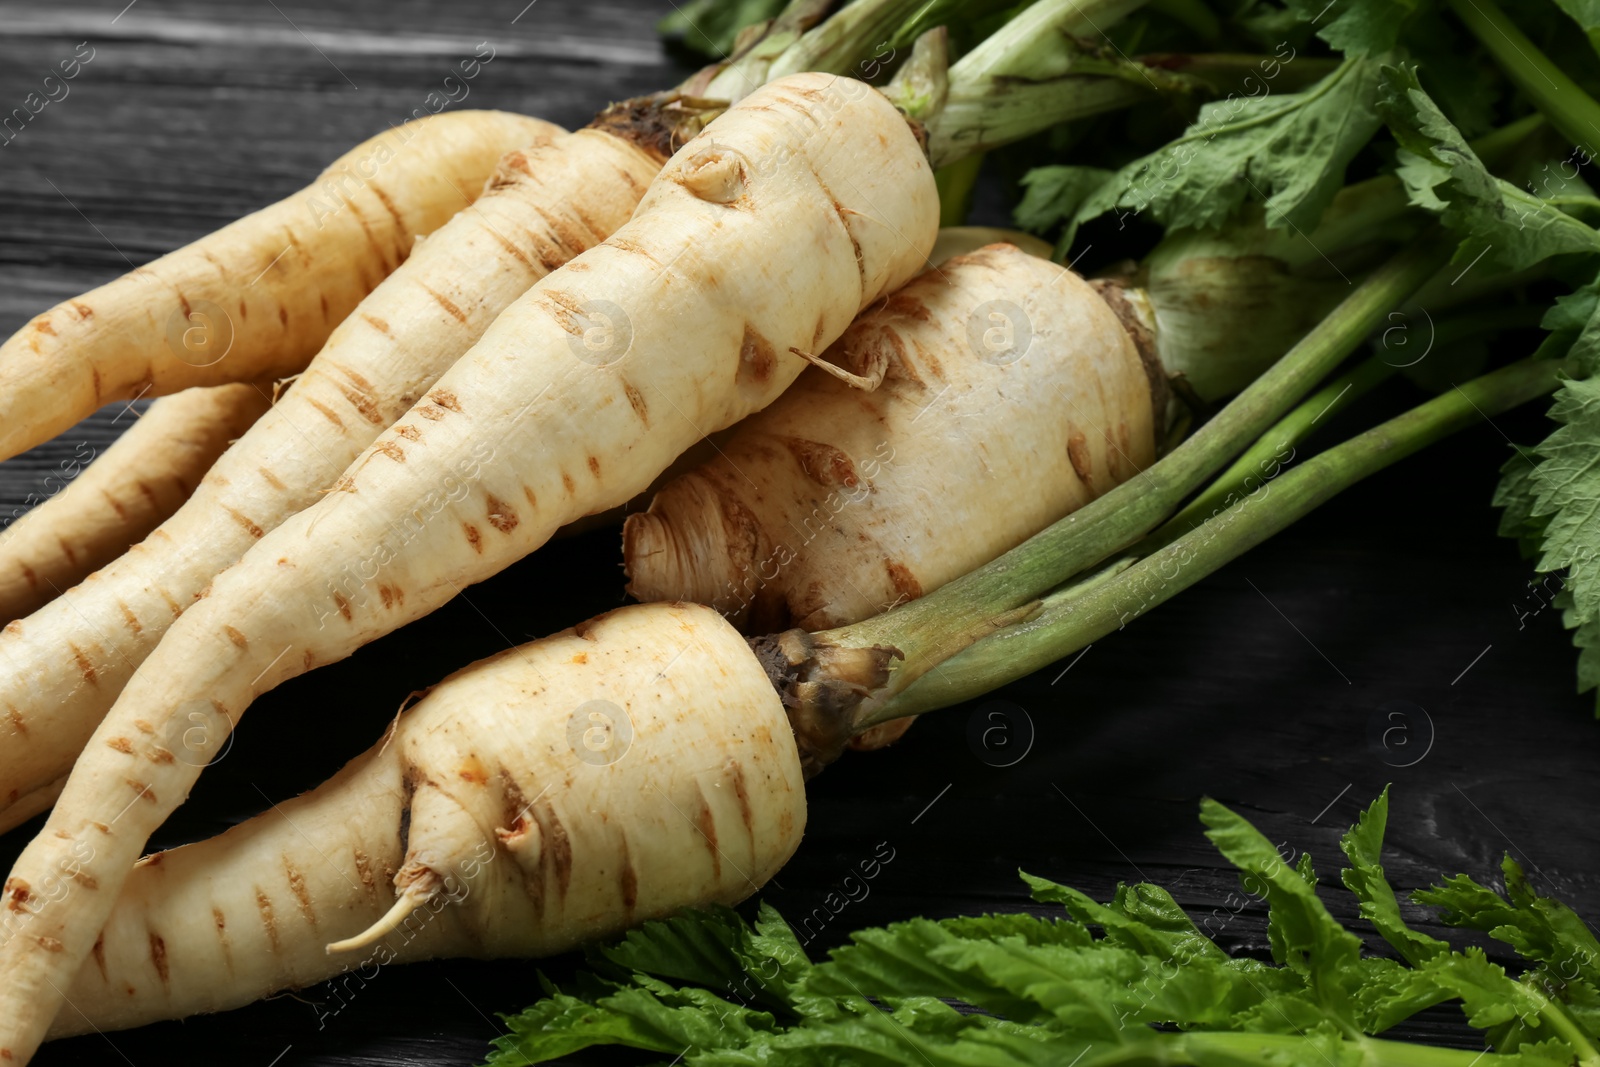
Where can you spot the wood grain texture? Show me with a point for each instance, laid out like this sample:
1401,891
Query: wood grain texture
1260,686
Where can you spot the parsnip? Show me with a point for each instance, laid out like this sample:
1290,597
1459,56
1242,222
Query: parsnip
260,296
541,209
657,716
544,205
1011,396
123,494
577,396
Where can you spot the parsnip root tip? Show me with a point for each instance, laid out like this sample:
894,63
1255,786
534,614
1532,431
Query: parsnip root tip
410,899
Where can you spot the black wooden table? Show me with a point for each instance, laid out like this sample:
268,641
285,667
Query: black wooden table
1385,640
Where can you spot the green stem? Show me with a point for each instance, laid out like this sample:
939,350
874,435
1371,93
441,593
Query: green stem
1265,459
1035,72
1570,110
930,630
955,184
1209,1047
1072,618
1226,72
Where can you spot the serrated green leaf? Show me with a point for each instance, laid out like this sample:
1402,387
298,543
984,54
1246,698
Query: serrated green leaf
1357,27
1363,846
1303,935
902,960
1516,495
1574,323
1540,929
1289,150
649,1015
1567,480
1497,222
1052,196
1143,917
1489,996
717,949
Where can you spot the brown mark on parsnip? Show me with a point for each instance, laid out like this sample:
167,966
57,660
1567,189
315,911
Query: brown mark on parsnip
628,879
474,538
269,922
326,412
822,463
566,309
1113,457
158,957
359,395
515,252
446,400
706,822
1082,462
742,793
563,230
556,850
249,524
502,516
220,922
99,953
239,640
472,770
18,723
757,358
142,789
116,505
343,605
157,754
85,667
120,744
567,482
636,399
364,871
129,619
450,306
905,583
594,466
410,433
302,895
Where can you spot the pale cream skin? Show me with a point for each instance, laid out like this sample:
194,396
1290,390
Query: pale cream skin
731,260
546,203
542,827
279,280
123,493
834,504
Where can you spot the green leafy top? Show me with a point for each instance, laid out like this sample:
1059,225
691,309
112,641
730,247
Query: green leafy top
1129,981
1288,150
1510,227
1358,27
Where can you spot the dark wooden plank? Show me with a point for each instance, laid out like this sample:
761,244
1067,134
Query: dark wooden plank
1260,686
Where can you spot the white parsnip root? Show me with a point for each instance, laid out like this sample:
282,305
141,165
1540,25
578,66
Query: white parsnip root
69,661
260,296
483,804
123,493
1011,396
576,398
